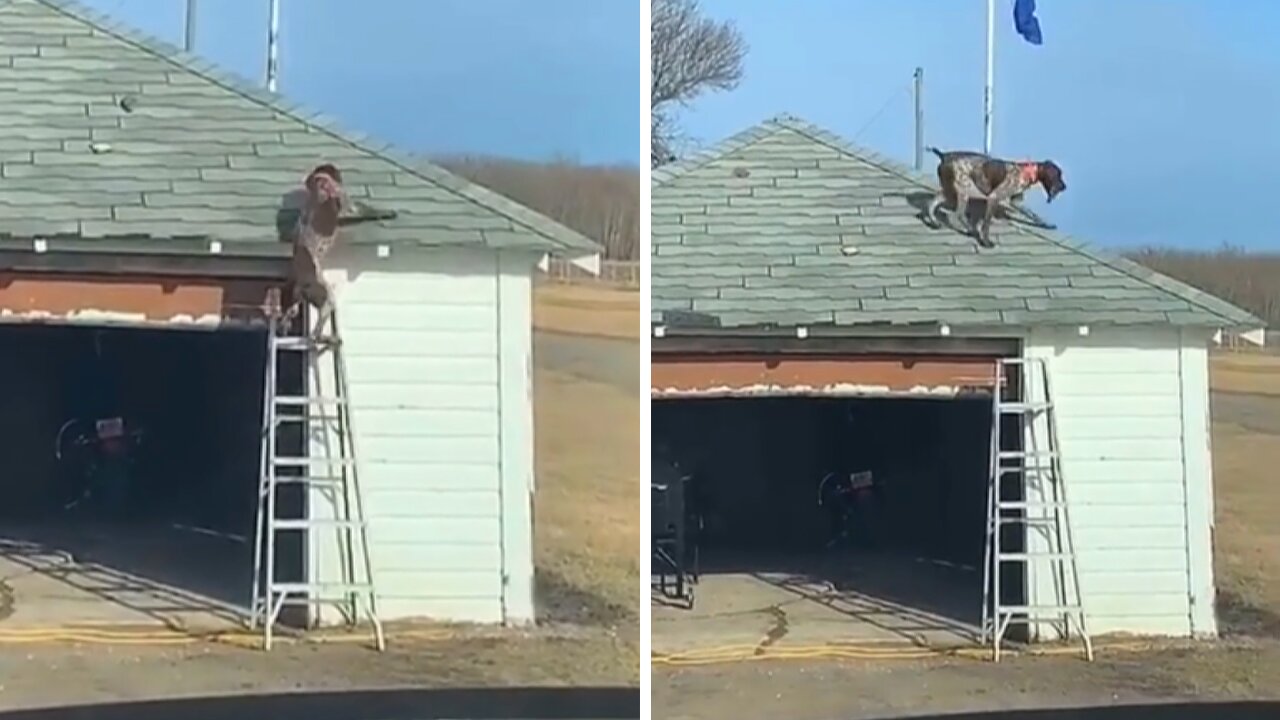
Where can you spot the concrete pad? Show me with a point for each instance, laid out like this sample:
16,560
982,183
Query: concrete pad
866,600
156,577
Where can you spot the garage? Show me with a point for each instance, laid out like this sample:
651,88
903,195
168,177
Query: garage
843,493
806,320
129,429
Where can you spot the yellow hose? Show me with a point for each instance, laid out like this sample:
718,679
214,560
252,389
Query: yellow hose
750,653
97,636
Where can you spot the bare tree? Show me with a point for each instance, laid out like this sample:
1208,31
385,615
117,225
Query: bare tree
601,202
1250,280
691,54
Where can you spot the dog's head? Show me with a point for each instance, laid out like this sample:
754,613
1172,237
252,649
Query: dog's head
1049,175
325,185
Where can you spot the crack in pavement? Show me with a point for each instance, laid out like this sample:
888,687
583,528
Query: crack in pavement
779,630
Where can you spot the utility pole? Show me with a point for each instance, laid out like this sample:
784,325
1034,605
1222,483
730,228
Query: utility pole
919,95
189,40
273,40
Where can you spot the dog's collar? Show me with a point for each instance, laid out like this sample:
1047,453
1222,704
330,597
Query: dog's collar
1029,171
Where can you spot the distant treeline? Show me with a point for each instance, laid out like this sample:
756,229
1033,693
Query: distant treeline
1250,280
601,202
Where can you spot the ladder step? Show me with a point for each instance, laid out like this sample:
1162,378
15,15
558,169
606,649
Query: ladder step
1035,521
1029,505
309,523
306,343
1021,360
301,587
306,418
303,400
1025,407
309,461
1040,470
314,480
1024,455
1024,557
1031,609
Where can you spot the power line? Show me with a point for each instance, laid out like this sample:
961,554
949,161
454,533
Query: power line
905,89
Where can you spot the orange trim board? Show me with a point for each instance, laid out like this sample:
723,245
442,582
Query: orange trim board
851,375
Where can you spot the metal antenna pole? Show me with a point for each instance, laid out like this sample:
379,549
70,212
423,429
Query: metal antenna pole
189,40
991,72
919,94
273,41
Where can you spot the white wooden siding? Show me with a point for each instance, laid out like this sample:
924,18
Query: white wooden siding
429,349
1123,402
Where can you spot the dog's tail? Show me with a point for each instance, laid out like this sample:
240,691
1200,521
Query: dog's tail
941,155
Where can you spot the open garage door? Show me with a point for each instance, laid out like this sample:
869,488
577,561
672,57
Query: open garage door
839,495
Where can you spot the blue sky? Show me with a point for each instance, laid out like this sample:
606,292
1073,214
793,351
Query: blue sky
1165,114
532,80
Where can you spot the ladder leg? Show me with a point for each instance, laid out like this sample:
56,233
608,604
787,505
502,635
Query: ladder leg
269,544
348,434
992,524
1066,526
997,534
256,605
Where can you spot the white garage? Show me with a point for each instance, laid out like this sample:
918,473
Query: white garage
792,270
145,195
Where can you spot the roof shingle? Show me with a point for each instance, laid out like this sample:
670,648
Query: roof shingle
199,152
786,224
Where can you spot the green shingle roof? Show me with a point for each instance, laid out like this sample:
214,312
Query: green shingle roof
202,155
786,224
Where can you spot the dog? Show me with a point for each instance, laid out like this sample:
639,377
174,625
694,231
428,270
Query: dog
965,175
314,237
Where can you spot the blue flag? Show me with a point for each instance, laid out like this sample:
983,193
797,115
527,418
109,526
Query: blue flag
1024,19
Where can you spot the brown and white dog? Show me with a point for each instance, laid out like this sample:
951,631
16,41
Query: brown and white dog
316,233
965,175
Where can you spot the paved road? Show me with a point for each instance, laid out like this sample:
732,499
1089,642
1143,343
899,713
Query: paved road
415,703
1260,413
605,360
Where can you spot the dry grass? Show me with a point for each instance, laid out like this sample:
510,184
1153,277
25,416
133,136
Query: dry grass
587,506
587,310
1246,373
1247,539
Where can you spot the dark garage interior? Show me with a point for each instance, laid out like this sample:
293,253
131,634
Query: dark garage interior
183,527
916,537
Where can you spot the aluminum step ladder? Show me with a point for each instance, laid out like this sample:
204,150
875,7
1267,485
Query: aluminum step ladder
1039,464
329,477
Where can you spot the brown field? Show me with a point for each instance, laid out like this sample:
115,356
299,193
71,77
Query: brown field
587,310
587,504
1246,372
1247,537
588,495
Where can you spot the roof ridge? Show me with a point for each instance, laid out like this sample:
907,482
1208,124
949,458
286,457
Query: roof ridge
1136,271
424,170
664,174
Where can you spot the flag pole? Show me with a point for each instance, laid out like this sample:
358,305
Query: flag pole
991,71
